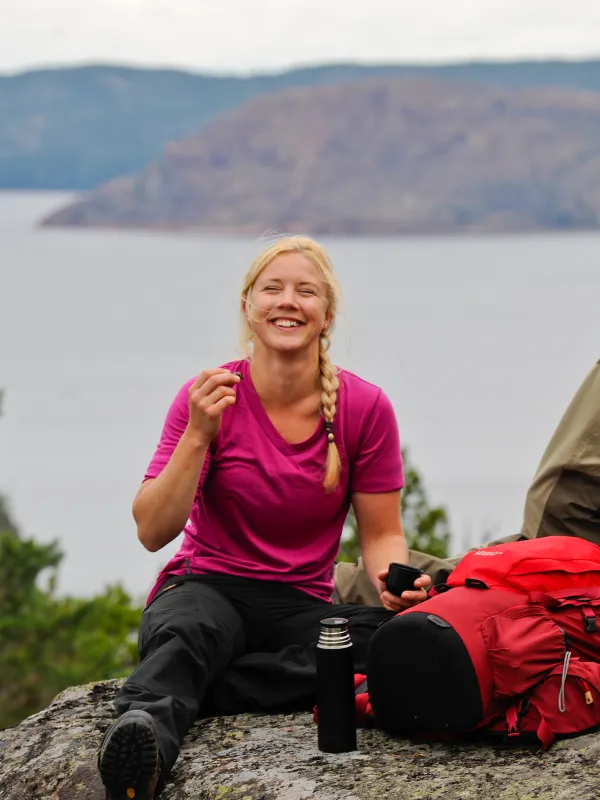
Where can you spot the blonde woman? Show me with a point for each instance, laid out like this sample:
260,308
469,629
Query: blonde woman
258,463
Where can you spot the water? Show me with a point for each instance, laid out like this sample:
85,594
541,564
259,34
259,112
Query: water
479,342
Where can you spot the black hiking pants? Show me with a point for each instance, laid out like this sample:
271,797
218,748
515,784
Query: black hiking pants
217,644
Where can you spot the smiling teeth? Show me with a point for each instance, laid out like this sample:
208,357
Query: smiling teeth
286,323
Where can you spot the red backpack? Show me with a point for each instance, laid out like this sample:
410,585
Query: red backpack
510,645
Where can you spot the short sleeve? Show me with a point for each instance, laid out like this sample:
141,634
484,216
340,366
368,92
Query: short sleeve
173,429
378,466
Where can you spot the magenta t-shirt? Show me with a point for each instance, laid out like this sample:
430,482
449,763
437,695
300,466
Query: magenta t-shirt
261,510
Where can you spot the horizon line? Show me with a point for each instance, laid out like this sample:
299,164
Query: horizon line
300,67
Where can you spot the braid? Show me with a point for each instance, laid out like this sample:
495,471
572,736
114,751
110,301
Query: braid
329,389
328,378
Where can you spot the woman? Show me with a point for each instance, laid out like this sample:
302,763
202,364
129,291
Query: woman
258,463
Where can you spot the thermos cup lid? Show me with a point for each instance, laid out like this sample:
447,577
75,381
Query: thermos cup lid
334,634
334,622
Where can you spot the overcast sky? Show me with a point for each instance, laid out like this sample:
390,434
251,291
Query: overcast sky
251,35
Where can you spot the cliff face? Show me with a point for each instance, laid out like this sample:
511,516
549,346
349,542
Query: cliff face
51,756
383,157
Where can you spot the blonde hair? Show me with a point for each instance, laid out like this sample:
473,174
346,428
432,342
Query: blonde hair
327,373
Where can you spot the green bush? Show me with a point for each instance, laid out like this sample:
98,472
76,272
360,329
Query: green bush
47,642
426,527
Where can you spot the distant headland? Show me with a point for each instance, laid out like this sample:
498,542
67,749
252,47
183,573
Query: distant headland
348,149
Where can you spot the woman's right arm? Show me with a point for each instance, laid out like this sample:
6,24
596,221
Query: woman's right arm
163,504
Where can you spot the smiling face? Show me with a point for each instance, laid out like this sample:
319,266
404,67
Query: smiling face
288,306
290,297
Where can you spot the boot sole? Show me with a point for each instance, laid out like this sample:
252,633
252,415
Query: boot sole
129,762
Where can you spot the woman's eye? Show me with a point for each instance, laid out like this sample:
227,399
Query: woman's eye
271,288
306,291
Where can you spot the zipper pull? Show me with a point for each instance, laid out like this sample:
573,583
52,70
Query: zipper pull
562,703
589,697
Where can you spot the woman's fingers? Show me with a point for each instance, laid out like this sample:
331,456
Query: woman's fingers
210,394
205,386
222,404
204,376
406,600
409,598
424,582
209,402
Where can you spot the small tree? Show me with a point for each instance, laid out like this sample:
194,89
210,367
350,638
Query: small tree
6,522
426,527
48,643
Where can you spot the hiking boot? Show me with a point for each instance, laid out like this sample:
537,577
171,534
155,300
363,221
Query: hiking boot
129,761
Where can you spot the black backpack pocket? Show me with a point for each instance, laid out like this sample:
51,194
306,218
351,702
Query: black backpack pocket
421,677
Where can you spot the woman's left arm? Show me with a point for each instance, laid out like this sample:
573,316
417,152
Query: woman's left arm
382,541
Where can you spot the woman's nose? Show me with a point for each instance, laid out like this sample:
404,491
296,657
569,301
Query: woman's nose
288,297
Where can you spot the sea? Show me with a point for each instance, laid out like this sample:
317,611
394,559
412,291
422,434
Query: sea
480,343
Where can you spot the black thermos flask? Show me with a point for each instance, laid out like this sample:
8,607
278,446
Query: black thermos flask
336,725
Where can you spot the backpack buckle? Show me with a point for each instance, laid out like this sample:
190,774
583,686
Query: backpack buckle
475,583
591,621
591,625
512,722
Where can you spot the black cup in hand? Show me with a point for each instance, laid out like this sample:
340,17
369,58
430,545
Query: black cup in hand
401,578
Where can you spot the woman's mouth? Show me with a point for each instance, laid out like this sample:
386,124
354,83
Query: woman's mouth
286,324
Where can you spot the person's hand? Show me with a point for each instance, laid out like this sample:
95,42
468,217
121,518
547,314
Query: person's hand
407,599
210,394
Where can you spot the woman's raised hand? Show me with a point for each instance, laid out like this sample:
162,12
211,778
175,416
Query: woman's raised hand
210,394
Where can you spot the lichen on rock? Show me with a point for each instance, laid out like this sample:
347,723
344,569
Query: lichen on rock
52,756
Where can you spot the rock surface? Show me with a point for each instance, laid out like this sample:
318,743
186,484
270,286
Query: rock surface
387,156
51,756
